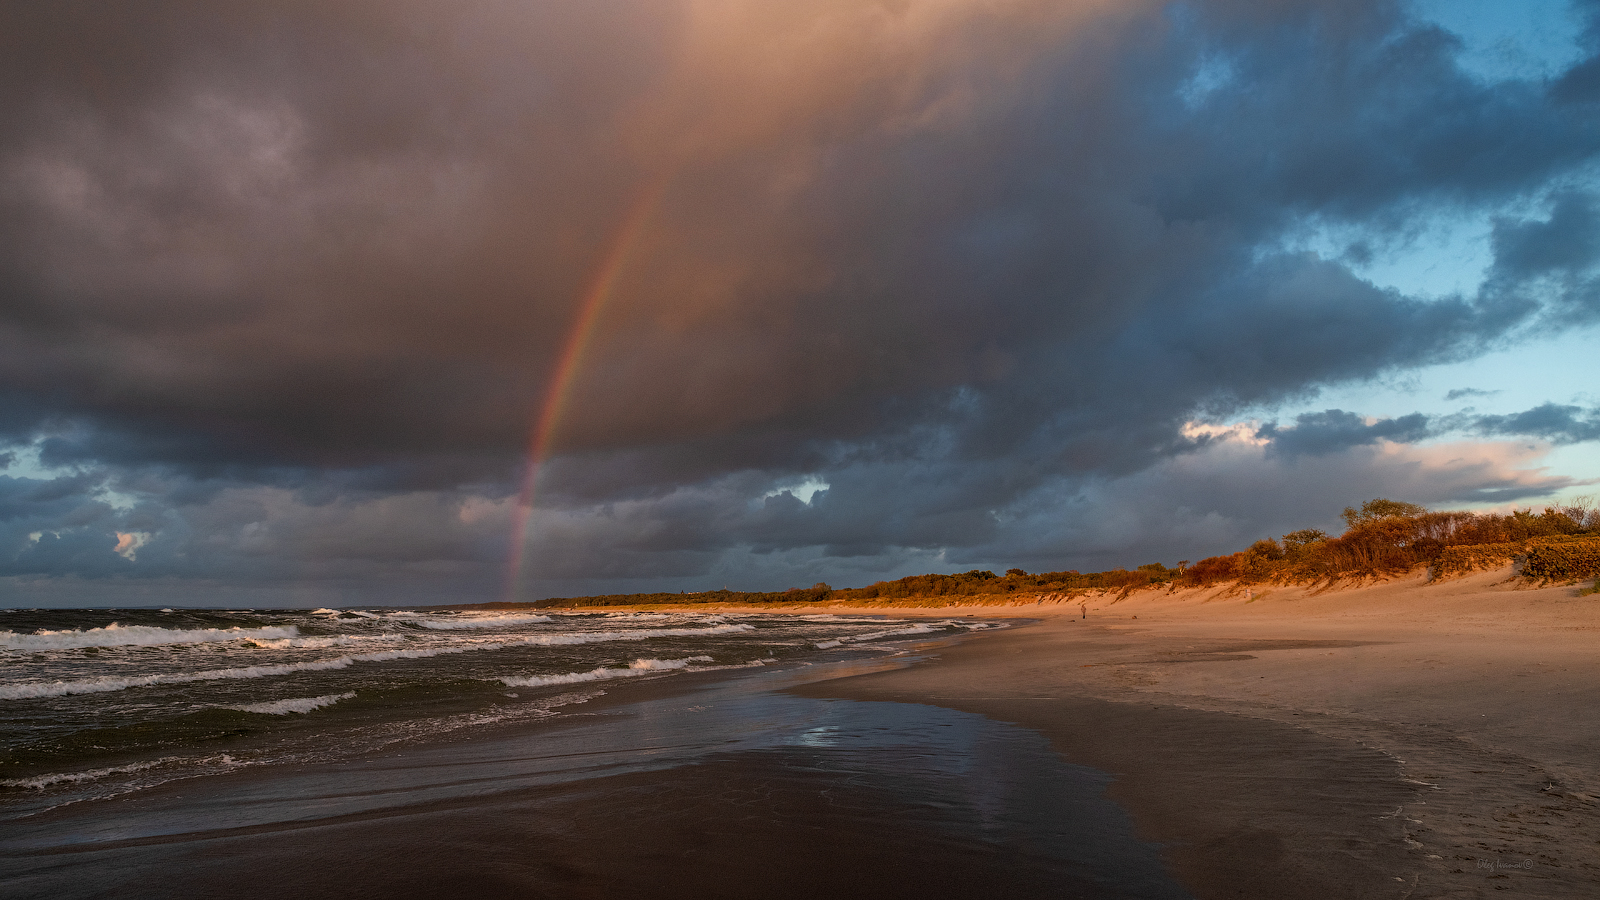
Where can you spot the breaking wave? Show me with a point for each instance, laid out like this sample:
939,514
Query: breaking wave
115,635
453,624
293,705
929,628
879,635
636,668
590,637
41,782
38,690
102,685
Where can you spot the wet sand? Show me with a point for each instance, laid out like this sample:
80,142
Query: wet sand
1402,739
766,825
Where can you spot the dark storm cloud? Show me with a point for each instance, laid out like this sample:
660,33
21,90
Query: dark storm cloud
63,500
56,525
299,232
1569,241
1581,83
1335,430
303,267
422,546
1551,421
1317,434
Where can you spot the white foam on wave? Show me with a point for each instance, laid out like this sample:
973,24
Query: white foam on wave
635,669
591,637
293,705
115,635
41,782
36,690
321,643
898,632
103,783
41,689
893,632
471,621
828,617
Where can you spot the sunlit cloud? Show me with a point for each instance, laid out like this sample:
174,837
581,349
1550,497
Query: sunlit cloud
128,544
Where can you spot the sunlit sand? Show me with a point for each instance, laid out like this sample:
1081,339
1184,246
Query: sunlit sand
1288,740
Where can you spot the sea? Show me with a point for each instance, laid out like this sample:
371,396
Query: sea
458,752
100,702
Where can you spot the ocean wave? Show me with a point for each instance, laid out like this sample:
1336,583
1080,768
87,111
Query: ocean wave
454,624
591,637
636,668
41,782
321,643
145,775
899,632
115,635
42,689
829,617
39,690
293,705
892,632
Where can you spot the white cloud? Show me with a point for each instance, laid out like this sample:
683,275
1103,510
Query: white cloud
129,542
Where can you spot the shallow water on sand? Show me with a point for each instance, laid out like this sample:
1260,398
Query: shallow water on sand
730,788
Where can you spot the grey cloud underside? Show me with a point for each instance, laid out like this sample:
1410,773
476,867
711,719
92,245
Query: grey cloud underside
960,267
1561,424
1335,430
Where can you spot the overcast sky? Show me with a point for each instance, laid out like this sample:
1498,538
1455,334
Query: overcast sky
407,301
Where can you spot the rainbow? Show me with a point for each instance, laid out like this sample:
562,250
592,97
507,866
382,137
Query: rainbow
559,395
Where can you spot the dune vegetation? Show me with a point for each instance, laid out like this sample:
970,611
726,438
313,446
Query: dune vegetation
1382,537
1388,537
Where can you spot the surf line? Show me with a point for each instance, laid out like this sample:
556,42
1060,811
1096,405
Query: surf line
600,289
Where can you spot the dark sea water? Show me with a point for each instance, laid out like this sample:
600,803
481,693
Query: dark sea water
397,753
97,702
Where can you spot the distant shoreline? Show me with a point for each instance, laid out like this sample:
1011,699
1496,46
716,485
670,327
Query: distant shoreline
1058,602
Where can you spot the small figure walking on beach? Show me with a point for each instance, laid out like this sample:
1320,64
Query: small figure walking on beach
1084,607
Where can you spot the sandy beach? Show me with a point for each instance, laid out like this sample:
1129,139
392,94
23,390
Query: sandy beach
1399,739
